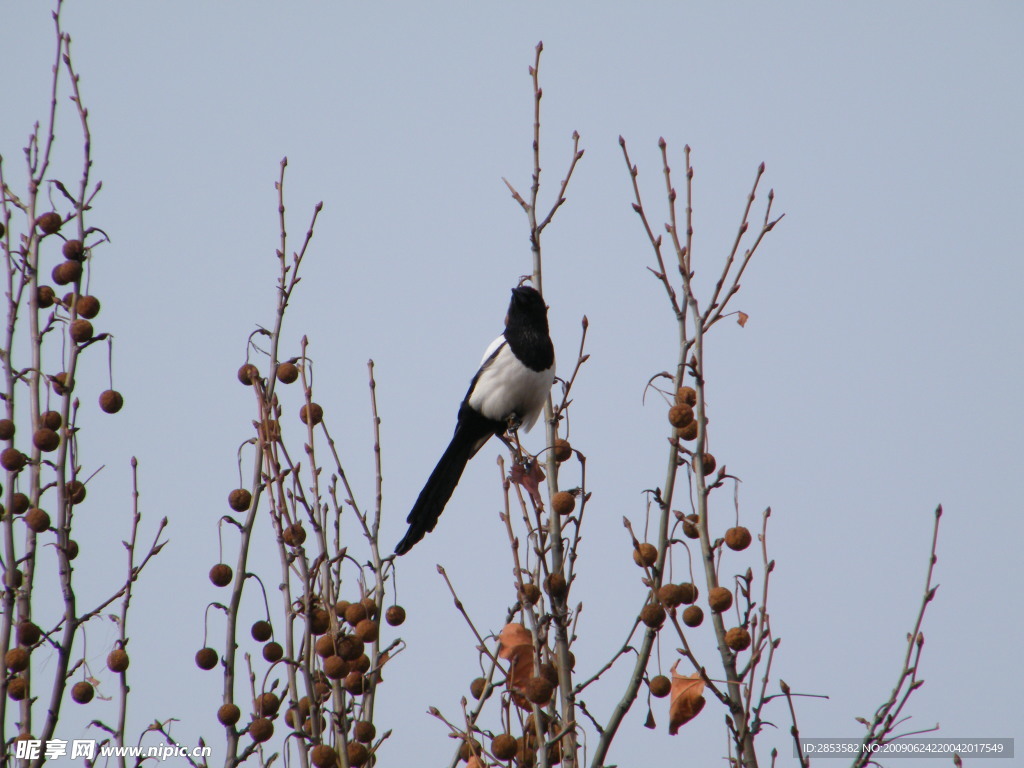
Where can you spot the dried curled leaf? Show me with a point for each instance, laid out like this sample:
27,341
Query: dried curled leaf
511,636
687,699
530,478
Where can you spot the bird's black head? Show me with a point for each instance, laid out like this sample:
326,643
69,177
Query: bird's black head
526,329
527,305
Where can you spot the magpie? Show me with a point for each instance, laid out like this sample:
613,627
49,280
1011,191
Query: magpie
508,391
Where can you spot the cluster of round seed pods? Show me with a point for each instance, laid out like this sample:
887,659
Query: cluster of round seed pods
673,595
86,307
681,414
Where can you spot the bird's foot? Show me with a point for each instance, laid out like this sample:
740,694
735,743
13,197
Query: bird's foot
513,423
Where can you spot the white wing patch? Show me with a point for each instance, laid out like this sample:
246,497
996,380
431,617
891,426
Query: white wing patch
491,348
505,386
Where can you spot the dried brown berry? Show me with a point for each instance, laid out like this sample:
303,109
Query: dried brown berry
6,429
367,630
563,451
117,660
671,595
720,599
13,578
645,555
82,692
477,687
526,756
355,613
71,550
336,667
307,727
49,222
738,639
354,683
362,664
319,621
530,593
45,297
221,574
689,593
737,538
469,748
19,503
87,307
272,652
45,439
67,272
324,646
287,373
395,615
16,660
261,631
357,754
12,459
563,502
28,633
370,604
660,686
311,413
350,647
239,499
323,756
689,432
294,535
51,419
206,658
504,746
686,396
111,401
74,250
228,714
690,529
680,416
693,616
340,607
247,373
37,520
80,331
538,690
17,688
62,384
709,463
653,615
364,731
267,704
261,729
75,491
550,671
555,585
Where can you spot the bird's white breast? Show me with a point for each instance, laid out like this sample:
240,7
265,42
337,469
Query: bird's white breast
506,386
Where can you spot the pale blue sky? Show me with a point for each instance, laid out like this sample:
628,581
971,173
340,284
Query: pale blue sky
876,378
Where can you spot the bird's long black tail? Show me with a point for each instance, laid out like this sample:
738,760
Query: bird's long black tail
470,434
